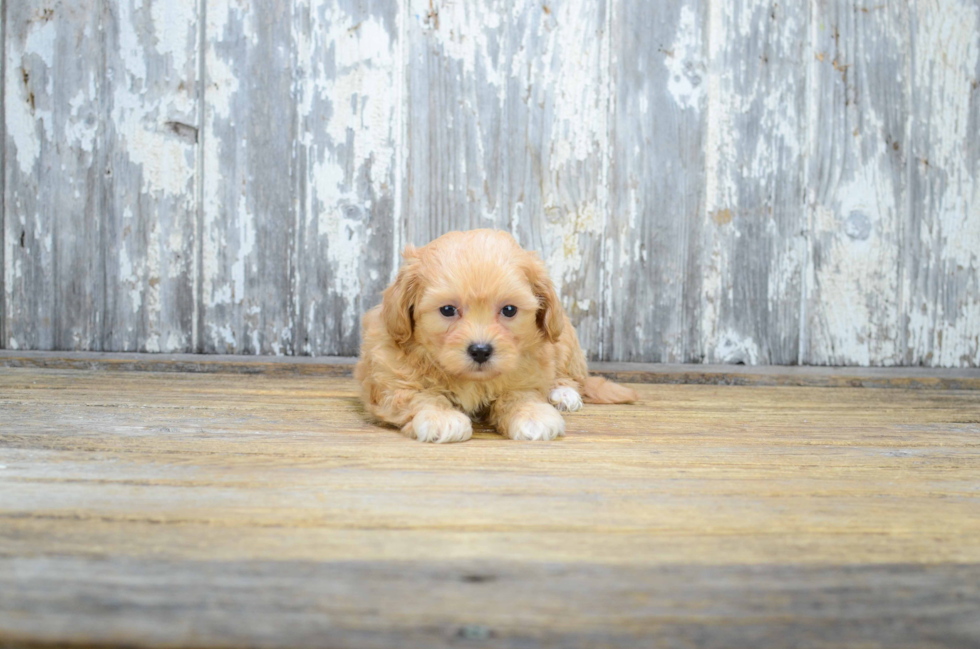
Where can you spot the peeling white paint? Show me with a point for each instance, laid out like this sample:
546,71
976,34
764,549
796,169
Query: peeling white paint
684,62
506,67
174,25
732,348
131,279
168,162
246,246
82,126
858,206
462,30
22,118
360,134
944,321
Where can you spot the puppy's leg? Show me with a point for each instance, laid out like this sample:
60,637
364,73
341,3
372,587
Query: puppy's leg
425,417
564,396
526,416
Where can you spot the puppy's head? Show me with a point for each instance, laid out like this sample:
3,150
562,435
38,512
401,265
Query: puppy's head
475,301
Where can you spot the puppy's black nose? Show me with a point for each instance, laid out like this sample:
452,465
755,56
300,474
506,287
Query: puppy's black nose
480,352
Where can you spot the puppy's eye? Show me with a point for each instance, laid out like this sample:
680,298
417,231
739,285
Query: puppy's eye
509,311
448,311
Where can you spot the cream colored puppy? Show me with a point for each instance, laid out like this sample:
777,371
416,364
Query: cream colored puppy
472,327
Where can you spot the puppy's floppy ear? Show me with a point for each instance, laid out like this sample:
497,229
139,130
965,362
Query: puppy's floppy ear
399,298
551,317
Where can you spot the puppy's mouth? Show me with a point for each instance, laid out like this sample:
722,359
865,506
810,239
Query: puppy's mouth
482,371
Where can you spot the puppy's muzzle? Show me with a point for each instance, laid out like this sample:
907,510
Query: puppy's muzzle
480,352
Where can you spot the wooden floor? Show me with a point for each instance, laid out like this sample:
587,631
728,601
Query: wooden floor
217,510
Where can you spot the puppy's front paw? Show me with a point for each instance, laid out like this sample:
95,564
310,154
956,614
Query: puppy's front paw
565,399
441,426
535,422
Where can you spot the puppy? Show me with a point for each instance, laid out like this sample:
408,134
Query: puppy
472,327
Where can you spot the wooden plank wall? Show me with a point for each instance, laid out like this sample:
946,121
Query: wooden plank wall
726,181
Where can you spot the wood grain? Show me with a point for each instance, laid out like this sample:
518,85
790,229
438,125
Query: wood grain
708,180
249,214
102,176
55,156
753,242
507,115
4,301
701,374
556,145
150,209
653,278
147,509
347,72
856,185
941,281
485,604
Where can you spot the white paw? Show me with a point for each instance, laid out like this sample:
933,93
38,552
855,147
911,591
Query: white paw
565,399
441,426
538,422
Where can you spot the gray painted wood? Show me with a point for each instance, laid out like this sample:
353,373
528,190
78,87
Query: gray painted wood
856,183
652,283
346,57
150,209
457,61
754,223
55,157
102,175
299,173
506,128
708,181
115,601
555,153
3,175
941,282
248,229
924,378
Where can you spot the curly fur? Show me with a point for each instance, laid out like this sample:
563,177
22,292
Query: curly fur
414,369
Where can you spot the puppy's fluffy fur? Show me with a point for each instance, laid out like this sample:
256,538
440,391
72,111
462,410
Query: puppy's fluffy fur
416,371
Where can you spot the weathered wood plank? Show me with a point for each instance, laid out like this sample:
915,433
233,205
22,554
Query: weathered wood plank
556,147
150,209
942,259
670,480
650,152
652,280
249,177
152,510
507,120
117,602
102,168
4,301
754,224
55,160
701,374
454,131
856,185
347,58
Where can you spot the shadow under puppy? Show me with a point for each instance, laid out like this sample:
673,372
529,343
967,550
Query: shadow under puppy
472,326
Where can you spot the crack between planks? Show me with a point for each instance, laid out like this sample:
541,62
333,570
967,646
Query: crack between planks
604,275
906,355
399,224
197,323
705,140
801,351
297,174
4,304
104,170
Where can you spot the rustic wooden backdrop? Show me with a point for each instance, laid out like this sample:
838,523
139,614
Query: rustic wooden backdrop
709,180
